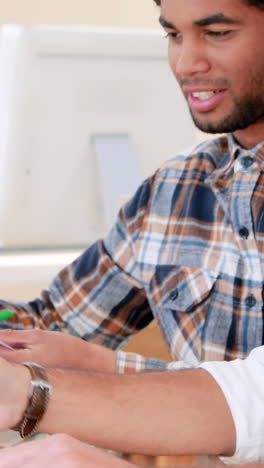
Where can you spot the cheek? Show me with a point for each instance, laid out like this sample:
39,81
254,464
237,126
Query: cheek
173,57
240,81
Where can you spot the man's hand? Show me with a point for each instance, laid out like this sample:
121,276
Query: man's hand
55,349
59,450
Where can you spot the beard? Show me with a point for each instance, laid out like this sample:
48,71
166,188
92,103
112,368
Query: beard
247,111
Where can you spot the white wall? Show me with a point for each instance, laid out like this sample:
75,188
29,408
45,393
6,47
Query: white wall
24,282
120,13
111,13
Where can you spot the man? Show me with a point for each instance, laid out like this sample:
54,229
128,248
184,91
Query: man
187,250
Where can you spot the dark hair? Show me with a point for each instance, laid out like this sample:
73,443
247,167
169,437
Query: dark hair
256,3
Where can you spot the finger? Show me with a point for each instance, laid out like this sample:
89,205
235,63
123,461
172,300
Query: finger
11,346
6,346
19,336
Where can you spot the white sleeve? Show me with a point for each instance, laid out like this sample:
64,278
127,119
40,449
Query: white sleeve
242,382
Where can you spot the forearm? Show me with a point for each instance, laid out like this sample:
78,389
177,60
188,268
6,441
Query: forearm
96,358
158,413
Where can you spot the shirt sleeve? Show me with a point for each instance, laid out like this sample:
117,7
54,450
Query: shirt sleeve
100,297
242,382
132,362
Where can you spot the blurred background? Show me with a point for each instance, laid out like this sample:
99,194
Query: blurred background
114,13
88,109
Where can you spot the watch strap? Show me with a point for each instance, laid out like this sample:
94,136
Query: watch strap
38,400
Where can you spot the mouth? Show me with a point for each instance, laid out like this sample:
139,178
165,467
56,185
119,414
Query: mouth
205,100
203,95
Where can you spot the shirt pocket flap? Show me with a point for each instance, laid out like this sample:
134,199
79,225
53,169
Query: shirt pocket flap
186,288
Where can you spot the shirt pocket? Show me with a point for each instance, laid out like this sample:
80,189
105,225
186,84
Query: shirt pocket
182,289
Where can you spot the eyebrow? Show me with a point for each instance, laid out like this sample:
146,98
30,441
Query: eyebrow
218,18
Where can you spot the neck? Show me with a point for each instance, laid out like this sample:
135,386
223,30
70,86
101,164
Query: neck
251,136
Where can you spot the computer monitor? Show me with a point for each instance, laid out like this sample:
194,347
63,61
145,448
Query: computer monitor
85,115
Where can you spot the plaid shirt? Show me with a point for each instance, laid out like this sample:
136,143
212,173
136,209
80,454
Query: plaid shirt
186,250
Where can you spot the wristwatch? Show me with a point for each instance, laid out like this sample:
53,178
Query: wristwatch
38,400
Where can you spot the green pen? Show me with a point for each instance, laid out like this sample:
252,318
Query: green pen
5,314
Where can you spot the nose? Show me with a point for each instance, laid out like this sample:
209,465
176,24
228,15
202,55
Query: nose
188,59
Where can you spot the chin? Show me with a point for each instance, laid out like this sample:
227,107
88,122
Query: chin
210,127
224,125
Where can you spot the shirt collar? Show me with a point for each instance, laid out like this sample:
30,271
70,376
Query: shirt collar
225,165
256,152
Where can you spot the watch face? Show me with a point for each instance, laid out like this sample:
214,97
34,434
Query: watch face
44,385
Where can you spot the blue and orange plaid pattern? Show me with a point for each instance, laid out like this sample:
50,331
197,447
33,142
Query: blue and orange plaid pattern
187,251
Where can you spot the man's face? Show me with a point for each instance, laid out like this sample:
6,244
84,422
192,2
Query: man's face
216,52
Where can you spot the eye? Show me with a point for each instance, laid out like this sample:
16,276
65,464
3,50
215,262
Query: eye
173,35
218,34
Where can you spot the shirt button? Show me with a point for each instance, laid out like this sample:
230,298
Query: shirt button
250,301
174,294
223,190
243,232
247,161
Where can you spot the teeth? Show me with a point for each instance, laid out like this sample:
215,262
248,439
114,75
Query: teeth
204,95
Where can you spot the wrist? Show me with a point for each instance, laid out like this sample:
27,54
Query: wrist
21,395
37,400
98,358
